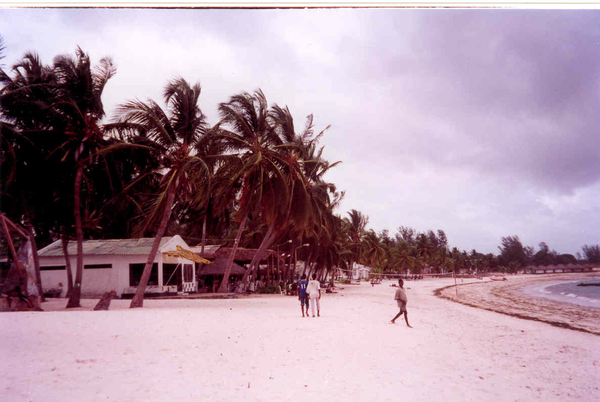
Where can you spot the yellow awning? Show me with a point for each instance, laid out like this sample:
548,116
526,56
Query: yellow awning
188,255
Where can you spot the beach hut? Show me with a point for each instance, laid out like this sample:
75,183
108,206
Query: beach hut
117,264
210,275
243,256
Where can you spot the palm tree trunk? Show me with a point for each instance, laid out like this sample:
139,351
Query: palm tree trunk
265,244
225,281
257,258
203,234
289,273
74,300
306,269
202,248
36,261
34,250
138,298
65,247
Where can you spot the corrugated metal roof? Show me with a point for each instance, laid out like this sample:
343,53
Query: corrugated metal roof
140,246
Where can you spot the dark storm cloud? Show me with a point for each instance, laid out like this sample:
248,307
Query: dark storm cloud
515,90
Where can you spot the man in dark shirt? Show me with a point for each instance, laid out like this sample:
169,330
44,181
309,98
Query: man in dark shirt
302,295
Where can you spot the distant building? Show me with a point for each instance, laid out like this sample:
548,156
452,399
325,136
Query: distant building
360,271
558,269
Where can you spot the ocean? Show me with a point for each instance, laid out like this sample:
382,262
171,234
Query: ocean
568,292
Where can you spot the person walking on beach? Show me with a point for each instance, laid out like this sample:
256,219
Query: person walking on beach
314,292
302,295
401,299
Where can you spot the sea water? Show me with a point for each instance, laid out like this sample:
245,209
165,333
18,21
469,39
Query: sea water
569,292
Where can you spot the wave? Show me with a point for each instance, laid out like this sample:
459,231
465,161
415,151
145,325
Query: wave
568,292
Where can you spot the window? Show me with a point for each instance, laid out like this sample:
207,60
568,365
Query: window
54,268
135,274
171,274
4,267
97,266
187,273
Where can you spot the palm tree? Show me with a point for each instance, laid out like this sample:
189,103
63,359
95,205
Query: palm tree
255,177
210,149
295,151
79,110
405,256
28,138
374,249
326,228
356,225
172,137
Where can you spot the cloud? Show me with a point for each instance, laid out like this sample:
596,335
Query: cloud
482,123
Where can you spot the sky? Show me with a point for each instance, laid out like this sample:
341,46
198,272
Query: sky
482,123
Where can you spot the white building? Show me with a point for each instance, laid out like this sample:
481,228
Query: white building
118,264
357,272
360,271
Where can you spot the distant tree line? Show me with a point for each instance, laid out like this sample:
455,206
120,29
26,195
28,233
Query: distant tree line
514,256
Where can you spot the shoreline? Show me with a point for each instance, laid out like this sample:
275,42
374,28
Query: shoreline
512,298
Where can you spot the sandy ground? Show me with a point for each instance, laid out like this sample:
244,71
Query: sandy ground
260,349
509,297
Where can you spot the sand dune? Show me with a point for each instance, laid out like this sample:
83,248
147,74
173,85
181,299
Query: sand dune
260,349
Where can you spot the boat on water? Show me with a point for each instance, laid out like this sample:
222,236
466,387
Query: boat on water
498,278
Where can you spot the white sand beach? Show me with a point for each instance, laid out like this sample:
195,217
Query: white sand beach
259,348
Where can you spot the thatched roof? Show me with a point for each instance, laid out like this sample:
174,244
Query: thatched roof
242,254
218,268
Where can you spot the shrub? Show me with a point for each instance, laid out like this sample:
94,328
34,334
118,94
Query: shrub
269,289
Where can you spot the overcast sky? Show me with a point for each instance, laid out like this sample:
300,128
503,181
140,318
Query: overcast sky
483,123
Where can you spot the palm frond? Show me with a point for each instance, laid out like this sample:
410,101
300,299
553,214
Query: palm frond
149,115
102,73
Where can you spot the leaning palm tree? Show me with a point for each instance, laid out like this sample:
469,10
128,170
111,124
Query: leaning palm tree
255,177
171,136
291,151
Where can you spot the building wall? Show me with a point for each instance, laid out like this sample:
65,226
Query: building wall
97,281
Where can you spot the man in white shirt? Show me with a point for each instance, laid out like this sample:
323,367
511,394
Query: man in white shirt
314,292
